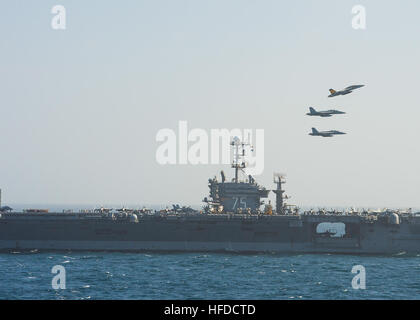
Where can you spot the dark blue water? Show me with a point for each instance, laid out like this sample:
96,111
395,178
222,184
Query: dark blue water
102,275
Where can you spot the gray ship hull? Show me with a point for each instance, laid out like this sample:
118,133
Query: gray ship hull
208,233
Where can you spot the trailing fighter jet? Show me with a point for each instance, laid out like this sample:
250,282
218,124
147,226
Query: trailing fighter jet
344,91
328,113
325,134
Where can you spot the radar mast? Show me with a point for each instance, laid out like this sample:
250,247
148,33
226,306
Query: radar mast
279,180
239,156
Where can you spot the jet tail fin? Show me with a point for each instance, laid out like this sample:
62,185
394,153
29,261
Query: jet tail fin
332,91
314,131
312,110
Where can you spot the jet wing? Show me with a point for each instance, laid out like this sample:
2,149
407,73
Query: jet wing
325,134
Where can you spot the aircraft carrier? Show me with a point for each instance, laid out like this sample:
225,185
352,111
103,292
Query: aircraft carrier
234,219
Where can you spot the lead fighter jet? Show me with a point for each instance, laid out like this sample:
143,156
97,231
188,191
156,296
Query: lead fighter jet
344,91
328,113
325,134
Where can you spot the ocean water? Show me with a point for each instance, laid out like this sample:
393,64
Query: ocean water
113,275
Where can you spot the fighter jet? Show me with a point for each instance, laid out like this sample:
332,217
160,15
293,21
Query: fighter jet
344,91
328,113
5,209
183,209
325,134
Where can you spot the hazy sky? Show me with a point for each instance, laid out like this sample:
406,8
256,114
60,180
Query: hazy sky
80,108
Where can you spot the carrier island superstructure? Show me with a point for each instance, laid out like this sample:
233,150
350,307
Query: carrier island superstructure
234,219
